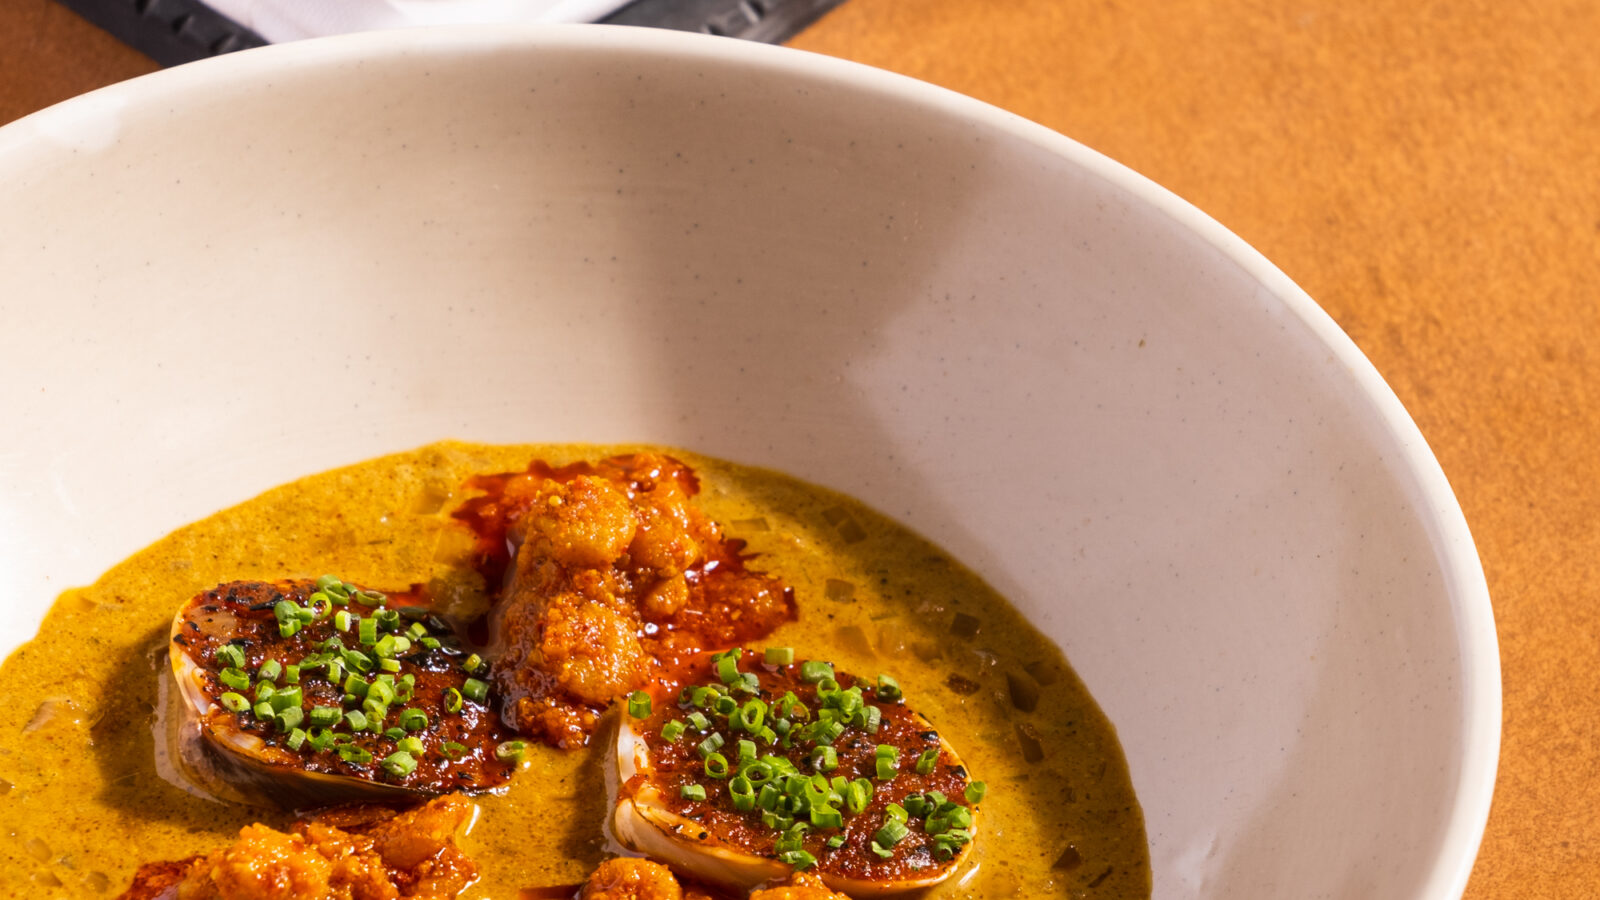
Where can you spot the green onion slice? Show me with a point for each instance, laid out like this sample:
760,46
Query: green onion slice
400,764
814,671
639,705
716,766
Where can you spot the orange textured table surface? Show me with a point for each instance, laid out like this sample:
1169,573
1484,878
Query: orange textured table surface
1429,172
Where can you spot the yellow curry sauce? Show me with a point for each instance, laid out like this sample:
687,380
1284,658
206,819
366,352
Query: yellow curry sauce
83,801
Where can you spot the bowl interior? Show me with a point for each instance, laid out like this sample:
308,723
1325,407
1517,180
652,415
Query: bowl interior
1100,400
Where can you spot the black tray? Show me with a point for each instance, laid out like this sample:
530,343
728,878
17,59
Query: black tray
179,31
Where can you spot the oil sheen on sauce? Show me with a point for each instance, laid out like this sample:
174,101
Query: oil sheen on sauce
83,800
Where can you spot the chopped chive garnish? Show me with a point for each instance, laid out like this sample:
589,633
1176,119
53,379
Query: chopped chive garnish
928,759
699,721
511,751
395,733
889,689
400,764
825,758
857,795
452,750
892,832
475,690
431,643
368,598
342,620
814,671
724,705
270,670
265,690
801,860
324,716
291,674
728,669
356,661
234,702
381,691
975,791
881,851
779,656
743,793
826,817
692,792
673,730
389,665
367,631
356,719
716,766
234,678
472,664
411,745
886,768
297,738
452,700
873,720
710,745
321,739
231,655
639,705
288,718
413,719
836,842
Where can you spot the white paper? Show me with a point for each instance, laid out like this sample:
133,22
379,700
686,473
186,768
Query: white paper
289,20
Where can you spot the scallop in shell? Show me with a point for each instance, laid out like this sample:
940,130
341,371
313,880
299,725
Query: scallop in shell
308,693
754,769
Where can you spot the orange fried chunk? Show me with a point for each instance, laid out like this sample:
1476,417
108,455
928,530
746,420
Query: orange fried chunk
799,886
625,878
615,575
374,857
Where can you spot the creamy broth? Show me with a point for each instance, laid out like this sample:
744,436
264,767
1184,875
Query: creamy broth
84,801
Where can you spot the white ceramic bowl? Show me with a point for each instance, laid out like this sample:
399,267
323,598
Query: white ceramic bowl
1112,408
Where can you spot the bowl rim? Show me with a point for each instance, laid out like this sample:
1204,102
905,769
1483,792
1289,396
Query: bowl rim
1443,517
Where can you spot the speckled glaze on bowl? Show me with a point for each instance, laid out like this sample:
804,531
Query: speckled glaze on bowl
1112,408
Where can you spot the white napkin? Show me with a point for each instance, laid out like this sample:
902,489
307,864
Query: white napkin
288,20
